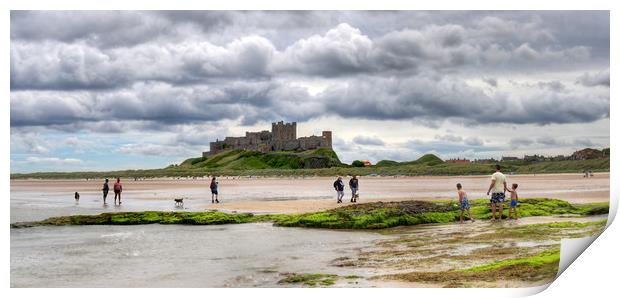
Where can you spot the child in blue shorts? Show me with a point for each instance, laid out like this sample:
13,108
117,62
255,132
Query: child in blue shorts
514,201
463,202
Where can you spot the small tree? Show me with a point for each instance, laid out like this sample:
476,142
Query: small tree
357,164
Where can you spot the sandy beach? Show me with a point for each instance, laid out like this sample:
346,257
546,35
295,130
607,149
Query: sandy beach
406,256
292,195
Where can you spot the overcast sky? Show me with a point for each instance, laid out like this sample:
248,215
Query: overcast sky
116,90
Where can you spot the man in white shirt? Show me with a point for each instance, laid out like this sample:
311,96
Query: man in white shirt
498,186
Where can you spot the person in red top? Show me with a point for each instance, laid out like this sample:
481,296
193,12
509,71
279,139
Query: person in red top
118,188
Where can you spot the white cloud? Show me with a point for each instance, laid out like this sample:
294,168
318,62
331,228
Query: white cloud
53,161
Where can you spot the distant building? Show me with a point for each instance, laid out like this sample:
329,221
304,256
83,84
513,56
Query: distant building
282,137
367,163
458,160
587,153
509,158
485,160
535,158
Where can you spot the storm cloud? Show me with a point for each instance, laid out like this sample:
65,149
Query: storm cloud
192,74
69,67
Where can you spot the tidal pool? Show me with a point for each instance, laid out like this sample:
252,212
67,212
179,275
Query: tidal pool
245,255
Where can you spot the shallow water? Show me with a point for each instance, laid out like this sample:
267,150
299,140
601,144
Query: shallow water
246,255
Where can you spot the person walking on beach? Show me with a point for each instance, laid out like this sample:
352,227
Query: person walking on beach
339,187
498,187
118,188
105,190
463,202
354,184
214,193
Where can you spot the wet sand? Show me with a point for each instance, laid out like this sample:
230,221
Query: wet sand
293,195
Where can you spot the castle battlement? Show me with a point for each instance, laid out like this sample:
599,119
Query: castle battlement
282,137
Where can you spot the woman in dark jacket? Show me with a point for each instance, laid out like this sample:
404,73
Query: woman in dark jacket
339,187
213,187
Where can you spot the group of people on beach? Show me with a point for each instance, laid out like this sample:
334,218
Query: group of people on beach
339,187
118,189
497,190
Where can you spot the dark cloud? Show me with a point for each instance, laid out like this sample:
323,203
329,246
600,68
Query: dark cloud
108,49
416,98
552,85
99,28
156,104
491,81
602,78
419,97
113,71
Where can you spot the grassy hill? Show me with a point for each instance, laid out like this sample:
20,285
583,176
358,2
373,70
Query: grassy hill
251,160
427,159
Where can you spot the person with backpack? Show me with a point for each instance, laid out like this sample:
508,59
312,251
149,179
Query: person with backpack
118,188
214,192
354,185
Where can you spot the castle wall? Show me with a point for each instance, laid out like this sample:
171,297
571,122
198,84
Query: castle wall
309,143
285,145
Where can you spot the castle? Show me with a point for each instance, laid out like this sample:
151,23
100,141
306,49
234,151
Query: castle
283,137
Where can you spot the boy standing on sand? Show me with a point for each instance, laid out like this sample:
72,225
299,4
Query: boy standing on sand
514,197
339,187
118,188
463,202
498,186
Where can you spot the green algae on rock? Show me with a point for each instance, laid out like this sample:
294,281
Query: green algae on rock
148,217
539,267
376,215
381,215
314,279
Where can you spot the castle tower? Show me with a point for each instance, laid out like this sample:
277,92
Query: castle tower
327,139
293,131
284,131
